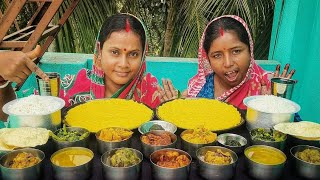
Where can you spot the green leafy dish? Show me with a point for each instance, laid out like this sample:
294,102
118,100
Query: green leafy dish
264,134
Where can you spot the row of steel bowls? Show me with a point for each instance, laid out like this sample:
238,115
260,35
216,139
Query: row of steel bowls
190,148
256,170
206,170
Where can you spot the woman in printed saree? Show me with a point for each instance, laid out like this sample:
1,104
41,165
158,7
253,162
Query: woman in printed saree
227,70
119,67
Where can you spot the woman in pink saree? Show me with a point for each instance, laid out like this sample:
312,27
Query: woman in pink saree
119,66
227,70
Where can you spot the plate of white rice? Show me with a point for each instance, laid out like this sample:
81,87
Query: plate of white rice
271,104
33,105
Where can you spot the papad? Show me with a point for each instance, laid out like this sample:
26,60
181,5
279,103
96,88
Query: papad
303,129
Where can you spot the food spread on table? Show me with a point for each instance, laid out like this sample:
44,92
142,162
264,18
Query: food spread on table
116,120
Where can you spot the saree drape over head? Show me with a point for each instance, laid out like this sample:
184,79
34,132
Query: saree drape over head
202,85
90,84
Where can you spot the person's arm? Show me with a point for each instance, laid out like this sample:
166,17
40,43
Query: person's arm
16,66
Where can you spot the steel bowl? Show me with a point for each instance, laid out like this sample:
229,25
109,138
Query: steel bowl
223,138
160,173
303,168
264,171
282,87
32,172
216,171
258,119
80,172
192,148
51,121
148,149
167,126
104,146
3,152
276,144
81,143
121,173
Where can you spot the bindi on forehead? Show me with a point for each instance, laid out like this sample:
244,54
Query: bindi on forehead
124,49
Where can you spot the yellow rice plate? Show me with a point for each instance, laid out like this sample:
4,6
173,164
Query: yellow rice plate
104,113
192,113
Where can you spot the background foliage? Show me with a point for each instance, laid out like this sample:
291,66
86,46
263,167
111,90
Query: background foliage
174,26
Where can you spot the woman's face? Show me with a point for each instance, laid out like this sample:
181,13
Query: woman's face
229,59
121,57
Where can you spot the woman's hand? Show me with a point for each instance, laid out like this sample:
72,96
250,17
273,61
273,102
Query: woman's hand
168,92
284,73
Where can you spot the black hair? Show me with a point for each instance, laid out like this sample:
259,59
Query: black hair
227,24
118,22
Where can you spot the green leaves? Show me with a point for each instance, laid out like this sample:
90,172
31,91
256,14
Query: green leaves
189,20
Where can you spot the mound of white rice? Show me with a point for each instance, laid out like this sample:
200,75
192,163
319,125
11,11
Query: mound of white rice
34,105
271,104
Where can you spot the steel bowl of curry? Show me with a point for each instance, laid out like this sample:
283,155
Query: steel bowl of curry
24,163
72,163
216,162
122,164
306,161
193,139
155,140
170,164
113,137
264,162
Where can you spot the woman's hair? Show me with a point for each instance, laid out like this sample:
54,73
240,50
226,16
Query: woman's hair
121,22
224,24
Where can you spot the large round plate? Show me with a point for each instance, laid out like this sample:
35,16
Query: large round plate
112,119
242,120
